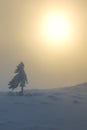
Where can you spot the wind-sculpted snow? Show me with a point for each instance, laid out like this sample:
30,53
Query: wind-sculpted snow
55,109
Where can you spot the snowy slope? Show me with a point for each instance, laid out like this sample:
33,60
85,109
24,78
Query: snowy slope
54,109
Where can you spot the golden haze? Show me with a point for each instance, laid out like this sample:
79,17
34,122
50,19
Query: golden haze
52,58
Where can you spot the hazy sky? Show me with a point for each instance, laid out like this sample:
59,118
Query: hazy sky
47,65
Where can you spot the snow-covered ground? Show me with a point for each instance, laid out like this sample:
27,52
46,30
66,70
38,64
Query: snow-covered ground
55,109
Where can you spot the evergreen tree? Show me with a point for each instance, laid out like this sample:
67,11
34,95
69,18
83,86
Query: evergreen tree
20,79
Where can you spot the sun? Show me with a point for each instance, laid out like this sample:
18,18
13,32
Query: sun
56,28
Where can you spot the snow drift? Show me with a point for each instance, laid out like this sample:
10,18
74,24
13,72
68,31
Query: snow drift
54,109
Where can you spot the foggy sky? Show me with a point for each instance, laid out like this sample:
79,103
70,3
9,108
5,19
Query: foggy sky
20,40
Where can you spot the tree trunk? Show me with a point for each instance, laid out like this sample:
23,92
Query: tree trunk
22,91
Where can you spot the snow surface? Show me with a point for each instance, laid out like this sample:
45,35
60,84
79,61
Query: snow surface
54,109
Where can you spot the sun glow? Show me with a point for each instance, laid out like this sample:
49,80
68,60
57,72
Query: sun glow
56,28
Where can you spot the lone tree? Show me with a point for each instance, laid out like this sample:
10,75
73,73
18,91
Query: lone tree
20,79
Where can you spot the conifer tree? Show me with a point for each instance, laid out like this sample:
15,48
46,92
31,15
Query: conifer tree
20,78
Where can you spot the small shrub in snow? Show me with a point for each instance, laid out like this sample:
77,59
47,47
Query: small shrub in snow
20,79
